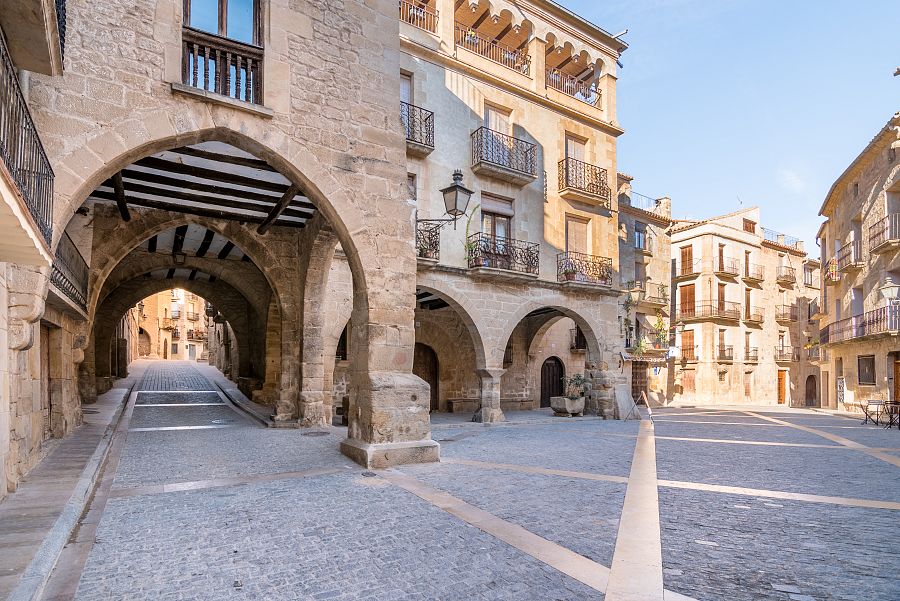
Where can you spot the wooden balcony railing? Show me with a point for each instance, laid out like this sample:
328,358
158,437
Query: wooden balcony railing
727,266
755,272
417,15
70,272
580,267
885,232
850,255
510,58
222,65
786,353
22,151
786,274
493,147
428,239
484,250
418,124
885,320
574,87
578,175
714,310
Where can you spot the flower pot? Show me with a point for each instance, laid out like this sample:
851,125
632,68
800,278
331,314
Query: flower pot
566,407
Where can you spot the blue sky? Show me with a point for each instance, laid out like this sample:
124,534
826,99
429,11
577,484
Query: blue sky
763,100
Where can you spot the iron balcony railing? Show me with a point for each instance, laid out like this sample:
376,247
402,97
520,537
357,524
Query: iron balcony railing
786,274
577,341
578,175
176,335
781,239
688,353
484,250
428,239
687,269
786,353
754,314
517,60
22,151
832,273
192,316
850,254
70,272
419,15
753,271
176,314
221,65
884,231
813,353
727,266
489,146
645,203
658,294
786,313
197,335
714,310
725,353
580,267
751,354
885,320
418,124
574,87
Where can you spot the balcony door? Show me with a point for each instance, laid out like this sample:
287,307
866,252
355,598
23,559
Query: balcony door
687,301
687,260
687,344
495,245
498,145
782,386
576,235
721,299
575,174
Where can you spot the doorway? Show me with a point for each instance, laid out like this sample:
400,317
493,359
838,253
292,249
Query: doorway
425,365
46,408
812,395
896,379
640,376
552,373
782,386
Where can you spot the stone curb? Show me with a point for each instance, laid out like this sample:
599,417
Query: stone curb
234,396
34,578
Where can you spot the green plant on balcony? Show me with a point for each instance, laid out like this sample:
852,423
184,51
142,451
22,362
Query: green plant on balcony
661,328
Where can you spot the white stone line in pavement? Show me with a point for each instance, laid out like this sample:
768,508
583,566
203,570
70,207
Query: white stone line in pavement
179,404
556,556
637,573
660,420
763,443
218,482
163,428
527,469
892,459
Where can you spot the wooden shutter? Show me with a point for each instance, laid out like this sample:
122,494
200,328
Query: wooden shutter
687,303
576,235
687,259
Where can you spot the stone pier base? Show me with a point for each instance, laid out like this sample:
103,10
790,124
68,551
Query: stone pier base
388,454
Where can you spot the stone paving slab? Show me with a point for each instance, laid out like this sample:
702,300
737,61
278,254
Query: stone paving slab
766,433
796,469
580,515
336,537
202,415
177,398
174,375
719,546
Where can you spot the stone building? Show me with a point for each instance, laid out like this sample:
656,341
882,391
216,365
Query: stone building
264,162
859,349
745,313
173,325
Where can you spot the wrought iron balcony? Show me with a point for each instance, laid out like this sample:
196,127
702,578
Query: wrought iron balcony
197,335
785,354
832,273
167,323
22,151
578,89
686,269
517,60
754,272
192,316
786,274
727,266
580,267
715,310
584,181
221,65
428,240
69,273
176,335
176,313
725,353
884,236
419,15
751,354
654,294
779,239
850,257
688,353
418,123
883,321
813,353
504,157
484,250
754,314
786,313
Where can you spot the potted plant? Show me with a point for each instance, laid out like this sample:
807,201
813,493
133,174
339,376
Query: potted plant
570,273
661,329
572,404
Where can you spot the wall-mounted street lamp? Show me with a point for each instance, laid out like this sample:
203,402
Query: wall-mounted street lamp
179,258
456,201
890,291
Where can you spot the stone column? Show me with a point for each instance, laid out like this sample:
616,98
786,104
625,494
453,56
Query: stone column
537,49
446,18
490,411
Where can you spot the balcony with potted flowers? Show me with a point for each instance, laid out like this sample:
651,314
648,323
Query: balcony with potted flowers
484,40
580,270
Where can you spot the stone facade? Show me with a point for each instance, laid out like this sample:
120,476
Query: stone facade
174,324
860,346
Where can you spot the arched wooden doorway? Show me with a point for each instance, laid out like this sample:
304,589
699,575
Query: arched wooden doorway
812,392
425,365
552,373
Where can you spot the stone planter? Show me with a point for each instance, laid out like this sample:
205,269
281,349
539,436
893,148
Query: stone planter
566,407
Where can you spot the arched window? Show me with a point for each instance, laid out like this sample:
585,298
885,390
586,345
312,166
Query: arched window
233,19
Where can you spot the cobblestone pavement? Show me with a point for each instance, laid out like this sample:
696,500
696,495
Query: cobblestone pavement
280,514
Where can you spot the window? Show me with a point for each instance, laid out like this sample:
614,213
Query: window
411,186
496,215
174,348
749,226
576,234
866,370
640,236
575,148
234,19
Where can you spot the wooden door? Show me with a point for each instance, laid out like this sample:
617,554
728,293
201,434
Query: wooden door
896,381
687,304
812,396
782,386
640,376
721,297
687,344
425,365
687,260
746,303
552,372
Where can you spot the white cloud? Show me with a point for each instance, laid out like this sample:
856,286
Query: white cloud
791,181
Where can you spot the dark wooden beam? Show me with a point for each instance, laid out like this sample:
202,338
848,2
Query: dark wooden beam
162,180
213,174
151,244
503,33
212,279
246,259
119,189
193,274
481,19
458,4
226,250
564,63
278,209
224,158
204,246
550,49
178,244
170,274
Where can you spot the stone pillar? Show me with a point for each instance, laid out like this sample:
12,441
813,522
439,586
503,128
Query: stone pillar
446,19
537,49
490,411
121,358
